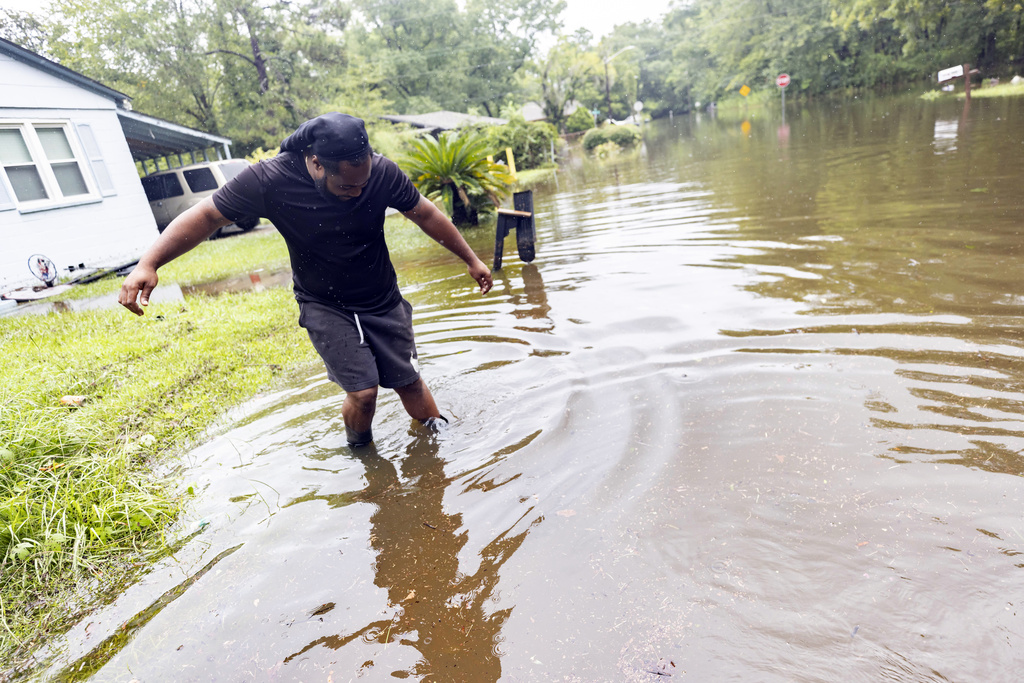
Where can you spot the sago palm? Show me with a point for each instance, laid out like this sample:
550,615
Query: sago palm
455,165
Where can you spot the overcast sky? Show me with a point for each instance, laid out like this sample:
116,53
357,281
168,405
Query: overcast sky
600,16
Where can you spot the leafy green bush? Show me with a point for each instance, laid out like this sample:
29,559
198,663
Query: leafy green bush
391,140
579,121
454,168
530,141
623,136
259,154
594,137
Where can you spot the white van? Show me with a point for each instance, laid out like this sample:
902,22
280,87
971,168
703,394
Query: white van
171,192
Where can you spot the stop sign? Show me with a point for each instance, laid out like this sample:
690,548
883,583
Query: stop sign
782,80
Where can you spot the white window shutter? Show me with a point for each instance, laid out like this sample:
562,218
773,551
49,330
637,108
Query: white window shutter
99,167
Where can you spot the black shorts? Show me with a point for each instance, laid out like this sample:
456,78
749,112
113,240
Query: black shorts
363,351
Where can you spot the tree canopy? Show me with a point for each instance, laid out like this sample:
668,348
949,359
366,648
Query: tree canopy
253,70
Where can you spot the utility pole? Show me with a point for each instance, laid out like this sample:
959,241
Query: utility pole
607,81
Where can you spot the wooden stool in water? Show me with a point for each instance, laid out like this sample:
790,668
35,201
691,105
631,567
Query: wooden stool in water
519,219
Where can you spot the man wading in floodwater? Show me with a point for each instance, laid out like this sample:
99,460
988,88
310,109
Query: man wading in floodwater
326,193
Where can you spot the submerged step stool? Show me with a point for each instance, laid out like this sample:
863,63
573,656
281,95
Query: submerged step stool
520,219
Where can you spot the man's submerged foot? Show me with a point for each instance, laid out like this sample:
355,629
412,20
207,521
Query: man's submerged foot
436,424
358,439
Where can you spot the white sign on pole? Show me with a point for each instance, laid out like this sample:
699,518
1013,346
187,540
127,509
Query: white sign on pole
951,73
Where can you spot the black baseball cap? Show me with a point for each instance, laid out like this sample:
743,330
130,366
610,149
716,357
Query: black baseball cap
334,136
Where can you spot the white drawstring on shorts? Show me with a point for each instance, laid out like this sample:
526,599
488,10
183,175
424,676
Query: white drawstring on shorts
360,328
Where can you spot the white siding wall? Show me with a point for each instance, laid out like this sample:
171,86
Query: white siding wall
27,87
113,230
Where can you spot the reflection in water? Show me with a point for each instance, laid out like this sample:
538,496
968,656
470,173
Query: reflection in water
171,292
165,293
532,304
437,610
256,281
945,136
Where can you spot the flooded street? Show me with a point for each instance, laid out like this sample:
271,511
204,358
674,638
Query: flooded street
755,413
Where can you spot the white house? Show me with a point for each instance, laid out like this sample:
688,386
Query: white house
437,121
534,111
69,186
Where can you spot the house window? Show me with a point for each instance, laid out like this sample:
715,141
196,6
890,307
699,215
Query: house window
43,166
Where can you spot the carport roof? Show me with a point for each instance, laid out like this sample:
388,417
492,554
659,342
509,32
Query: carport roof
149,137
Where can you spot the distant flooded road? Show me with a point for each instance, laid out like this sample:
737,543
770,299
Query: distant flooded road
755,413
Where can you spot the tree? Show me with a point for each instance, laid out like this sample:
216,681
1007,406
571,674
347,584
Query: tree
928,32
149,49
501,37
25,29
414,45
430,55
282,63
571,71
249,70
645,69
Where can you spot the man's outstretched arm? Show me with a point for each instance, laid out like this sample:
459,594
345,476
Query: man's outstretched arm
431,221
186,231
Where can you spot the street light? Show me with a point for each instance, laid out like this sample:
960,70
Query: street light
607,85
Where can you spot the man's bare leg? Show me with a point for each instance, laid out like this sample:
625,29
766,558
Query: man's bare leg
357,412
419,402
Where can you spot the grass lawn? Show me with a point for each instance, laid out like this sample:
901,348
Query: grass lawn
79,501
1001,90
527,179
982,91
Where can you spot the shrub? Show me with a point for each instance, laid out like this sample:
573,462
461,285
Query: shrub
623,136
391,140
454,168
579,121
530,141
594,137
259,154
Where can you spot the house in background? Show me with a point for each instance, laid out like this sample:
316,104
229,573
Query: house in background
436,122
534,111
69,185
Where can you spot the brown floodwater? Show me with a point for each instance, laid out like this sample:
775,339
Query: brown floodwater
755,413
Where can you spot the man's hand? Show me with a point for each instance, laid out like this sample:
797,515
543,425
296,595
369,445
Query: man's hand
440,228
141,280
186,231
482,274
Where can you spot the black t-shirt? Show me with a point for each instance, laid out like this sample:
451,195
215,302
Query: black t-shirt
337,248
